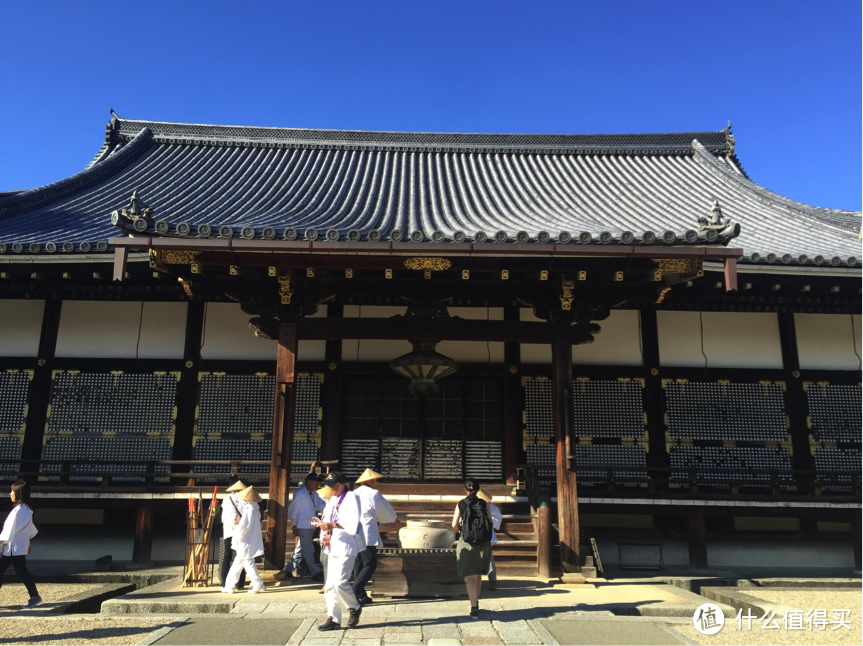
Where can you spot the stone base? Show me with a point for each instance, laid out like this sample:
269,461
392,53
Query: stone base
572,577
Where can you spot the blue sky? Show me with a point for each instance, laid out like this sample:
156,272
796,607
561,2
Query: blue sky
788,74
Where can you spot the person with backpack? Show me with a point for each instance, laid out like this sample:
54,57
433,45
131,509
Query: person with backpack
472,521
15,540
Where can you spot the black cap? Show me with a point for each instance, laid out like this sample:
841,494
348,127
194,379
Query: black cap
334,477
314,477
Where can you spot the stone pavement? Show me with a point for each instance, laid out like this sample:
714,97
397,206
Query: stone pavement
494,629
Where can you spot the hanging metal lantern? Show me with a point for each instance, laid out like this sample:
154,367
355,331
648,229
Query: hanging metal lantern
423,366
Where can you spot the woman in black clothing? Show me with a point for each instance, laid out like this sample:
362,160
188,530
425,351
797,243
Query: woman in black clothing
473,522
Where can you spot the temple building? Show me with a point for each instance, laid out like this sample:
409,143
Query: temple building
625,327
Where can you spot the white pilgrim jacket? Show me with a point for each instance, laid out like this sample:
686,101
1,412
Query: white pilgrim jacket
374,509
229,513
305,506
248,542
349,540
17,531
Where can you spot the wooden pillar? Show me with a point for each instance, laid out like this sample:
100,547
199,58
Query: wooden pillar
331,440
40,386
654,407
543,541
280,458
796,407
567,494
856,538
697,535
187,393
513,445
142,548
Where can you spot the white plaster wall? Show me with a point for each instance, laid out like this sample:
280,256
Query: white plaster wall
228,336
312,350
828,341
731,339
616,345
104,329
20,327
533,352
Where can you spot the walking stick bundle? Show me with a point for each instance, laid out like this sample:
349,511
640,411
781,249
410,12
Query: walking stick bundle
197,569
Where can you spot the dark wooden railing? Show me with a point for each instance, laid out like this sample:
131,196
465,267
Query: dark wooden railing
49,472
677,481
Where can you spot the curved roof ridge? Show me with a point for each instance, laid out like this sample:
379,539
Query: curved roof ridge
838,218
91,175
207,134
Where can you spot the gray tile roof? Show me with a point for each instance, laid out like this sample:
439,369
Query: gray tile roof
265,182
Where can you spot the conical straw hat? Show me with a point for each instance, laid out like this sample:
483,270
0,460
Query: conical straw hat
482,495
368,474
237,486
249,495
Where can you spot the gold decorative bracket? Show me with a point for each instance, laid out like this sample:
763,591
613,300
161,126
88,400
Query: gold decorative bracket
431,264
161,257
285,290
567,294
679,266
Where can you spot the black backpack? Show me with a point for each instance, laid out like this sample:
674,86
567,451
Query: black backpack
476,523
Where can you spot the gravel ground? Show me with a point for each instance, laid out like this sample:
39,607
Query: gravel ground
808,599
801,599
14,595
77,629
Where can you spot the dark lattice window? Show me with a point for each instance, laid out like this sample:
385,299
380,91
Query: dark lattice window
726,411
14,389
440,436
834,411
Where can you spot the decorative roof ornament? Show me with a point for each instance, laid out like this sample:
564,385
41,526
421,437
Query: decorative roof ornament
718,226
133,216
136,208
729,139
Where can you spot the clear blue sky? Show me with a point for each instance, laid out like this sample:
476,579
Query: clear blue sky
787,73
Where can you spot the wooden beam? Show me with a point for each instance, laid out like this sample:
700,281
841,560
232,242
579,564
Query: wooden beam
425,249
567,494
280,459
424,330
731,274
121,257
697,535
142,549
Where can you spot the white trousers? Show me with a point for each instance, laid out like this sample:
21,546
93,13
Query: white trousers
251,572
337,591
